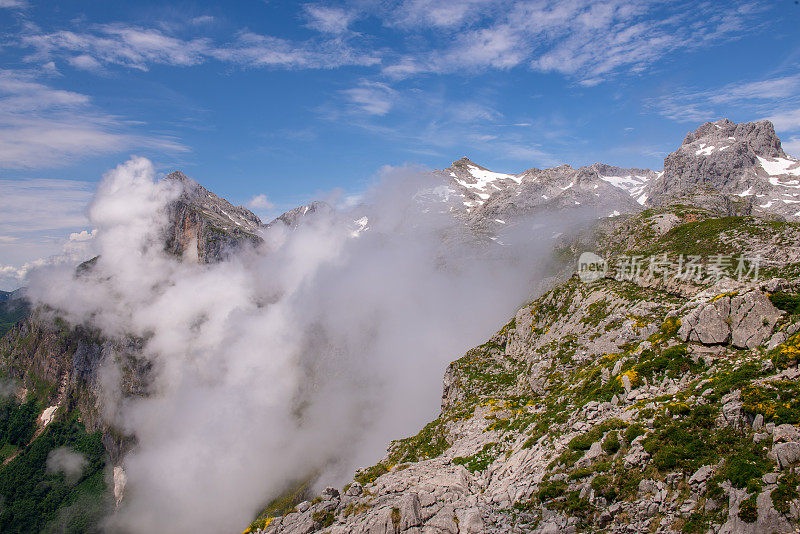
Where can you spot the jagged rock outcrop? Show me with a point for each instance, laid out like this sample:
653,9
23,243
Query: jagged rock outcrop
204,227
740,168
744,320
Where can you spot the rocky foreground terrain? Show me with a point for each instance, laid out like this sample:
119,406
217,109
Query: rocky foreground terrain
628,404
660,395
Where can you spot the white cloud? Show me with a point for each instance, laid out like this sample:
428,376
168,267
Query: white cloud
260,202
328,19
285,360
43,205
83,235
585,40
786,120
437,13
45,127
67,461
792,146
588,41
43,222
254,50
374,98
777,99
85,62
119,44
693,106
13,4
202,19
140,48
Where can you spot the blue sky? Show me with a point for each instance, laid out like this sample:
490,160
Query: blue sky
284,102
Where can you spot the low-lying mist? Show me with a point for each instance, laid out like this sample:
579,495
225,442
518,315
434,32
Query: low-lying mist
305,355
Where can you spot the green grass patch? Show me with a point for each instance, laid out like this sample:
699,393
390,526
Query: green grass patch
481,459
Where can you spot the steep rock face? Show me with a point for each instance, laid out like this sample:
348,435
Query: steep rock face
743,162
204,227
59,365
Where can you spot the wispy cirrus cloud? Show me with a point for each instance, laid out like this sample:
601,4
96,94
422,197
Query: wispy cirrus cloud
373,98
585,40
13,4
41,126
329,19
437,13
140,48
255,50
776,99
120,44
43,205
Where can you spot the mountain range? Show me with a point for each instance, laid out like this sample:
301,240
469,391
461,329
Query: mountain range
630,403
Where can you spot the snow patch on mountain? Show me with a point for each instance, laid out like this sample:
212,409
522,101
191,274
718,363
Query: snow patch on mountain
780,167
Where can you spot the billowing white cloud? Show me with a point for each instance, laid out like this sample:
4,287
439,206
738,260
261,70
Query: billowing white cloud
303,356
83,235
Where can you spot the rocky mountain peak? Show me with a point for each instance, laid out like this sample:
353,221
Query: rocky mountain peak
759,136
743,163
466,162
203,226
295,217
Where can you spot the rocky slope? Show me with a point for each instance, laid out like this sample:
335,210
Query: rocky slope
635,403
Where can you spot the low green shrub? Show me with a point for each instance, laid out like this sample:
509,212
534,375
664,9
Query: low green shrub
786,492
611,443
748,510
